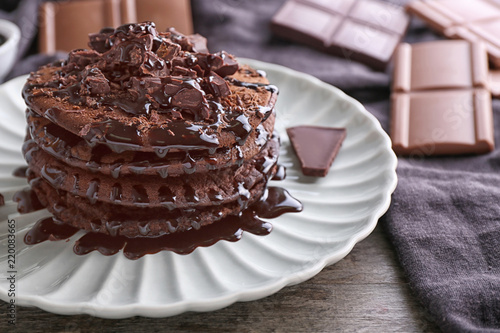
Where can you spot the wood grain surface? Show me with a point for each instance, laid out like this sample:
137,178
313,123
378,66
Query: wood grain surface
364,292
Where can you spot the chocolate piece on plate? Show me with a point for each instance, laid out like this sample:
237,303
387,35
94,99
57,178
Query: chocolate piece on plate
316,147
367,31
463,19
441,102
2,200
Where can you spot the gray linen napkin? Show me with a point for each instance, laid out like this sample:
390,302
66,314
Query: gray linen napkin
444,220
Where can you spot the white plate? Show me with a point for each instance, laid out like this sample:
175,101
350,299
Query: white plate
339,211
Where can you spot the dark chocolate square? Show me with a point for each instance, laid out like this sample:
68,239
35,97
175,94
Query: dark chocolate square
311,25
353,40
363,30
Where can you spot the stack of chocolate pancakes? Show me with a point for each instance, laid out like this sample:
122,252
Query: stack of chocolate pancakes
147,133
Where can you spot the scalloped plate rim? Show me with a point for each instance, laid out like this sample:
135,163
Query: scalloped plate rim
230,297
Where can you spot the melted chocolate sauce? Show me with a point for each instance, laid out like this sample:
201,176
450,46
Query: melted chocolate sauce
276,202
27,201
280,173
48,229
200,139
20,172
64,145
269,87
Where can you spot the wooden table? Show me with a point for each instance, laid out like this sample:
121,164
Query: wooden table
364,292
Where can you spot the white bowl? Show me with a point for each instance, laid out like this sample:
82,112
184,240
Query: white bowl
8,50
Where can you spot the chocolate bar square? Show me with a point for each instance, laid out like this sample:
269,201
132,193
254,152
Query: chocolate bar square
65,25
363,30
441,103
442,122
463,19
440,65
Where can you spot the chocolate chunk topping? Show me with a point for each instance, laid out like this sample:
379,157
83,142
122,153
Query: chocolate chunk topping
168,50
137,69
198,43
217,85
2,200
95,83
100,41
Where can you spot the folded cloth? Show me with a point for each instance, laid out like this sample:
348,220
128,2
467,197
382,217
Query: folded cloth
444,220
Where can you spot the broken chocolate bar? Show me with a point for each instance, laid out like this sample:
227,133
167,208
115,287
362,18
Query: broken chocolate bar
367,31
441,104
463,19
316,147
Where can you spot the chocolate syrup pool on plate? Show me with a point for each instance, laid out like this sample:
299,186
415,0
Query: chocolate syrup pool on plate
275,202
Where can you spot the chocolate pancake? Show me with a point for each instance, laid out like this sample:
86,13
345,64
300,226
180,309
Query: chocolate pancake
75,151
193,207
148,134
140,190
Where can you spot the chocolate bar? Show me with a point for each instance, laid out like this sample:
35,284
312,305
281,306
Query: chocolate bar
463,19
441,103
65,26
164,13
367,31
316,147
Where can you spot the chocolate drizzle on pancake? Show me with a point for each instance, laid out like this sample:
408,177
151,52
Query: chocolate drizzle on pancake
275,202
27,201
20,171
150,76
